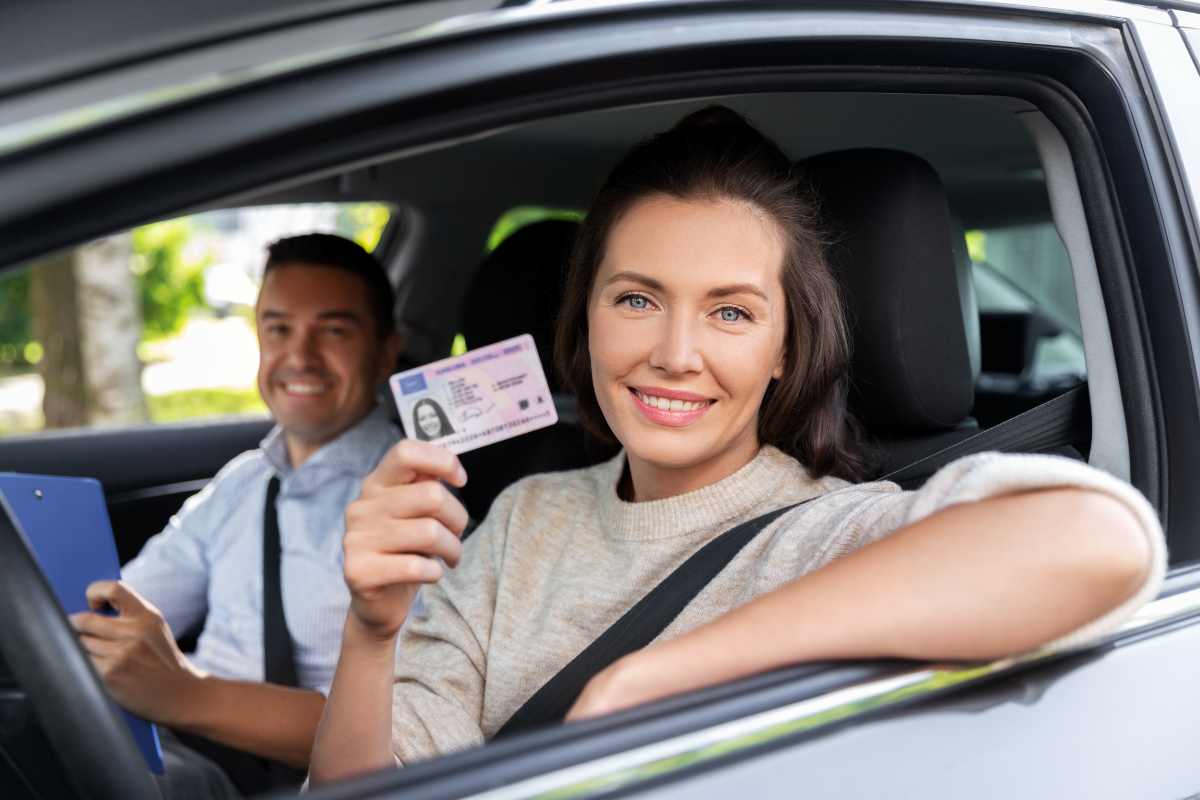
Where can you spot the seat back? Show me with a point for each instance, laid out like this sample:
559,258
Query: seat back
900,257
516,290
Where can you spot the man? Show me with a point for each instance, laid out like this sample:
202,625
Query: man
251,695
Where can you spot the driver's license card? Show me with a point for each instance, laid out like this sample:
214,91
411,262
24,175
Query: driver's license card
478,398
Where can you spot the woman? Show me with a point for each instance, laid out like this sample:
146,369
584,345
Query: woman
701,329
429,421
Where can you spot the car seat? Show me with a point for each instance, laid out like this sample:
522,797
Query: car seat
900,256
516,290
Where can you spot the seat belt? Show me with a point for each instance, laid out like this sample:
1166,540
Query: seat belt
1064,420
1057,422
639,626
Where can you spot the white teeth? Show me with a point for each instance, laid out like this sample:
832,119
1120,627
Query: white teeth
304,388
666,404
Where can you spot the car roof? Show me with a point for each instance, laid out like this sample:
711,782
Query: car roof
54,41
47,43
110,61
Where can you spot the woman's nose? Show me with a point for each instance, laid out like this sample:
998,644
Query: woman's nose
676,352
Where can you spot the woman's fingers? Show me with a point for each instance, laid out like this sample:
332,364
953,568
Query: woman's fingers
411,501
368,573
424,536
411,460
402,532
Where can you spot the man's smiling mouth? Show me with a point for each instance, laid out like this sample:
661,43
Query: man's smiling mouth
306,388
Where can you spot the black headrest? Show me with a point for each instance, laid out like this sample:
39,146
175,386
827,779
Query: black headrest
518,289
897,253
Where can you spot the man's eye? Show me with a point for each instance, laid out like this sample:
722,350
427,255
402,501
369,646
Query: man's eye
337,333
277,330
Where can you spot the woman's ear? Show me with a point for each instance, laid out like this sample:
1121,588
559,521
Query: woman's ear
777,373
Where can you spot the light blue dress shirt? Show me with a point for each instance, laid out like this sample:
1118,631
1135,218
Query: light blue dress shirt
208,560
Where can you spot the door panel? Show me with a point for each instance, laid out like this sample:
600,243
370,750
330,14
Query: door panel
147,472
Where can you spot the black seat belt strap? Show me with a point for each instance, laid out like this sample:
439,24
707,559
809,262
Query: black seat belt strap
638,627
279,660
1064,420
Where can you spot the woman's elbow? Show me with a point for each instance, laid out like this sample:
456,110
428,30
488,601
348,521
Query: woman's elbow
1111,543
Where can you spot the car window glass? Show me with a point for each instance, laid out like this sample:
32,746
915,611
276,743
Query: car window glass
151,325
1025,269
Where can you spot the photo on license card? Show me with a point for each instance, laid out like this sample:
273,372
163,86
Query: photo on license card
483,396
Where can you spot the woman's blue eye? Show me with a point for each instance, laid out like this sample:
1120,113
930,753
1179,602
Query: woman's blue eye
635,301
730,314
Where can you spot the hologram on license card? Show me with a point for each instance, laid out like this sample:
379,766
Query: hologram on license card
483,396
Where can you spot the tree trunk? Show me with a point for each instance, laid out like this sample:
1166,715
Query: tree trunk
54,298
110,320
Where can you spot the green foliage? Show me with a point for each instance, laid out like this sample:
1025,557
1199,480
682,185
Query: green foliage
516,218
199,403
977,245
16,319
363,222
170,282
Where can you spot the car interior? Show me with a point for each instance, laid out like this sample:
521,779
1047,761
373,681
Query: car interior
945,345
901,178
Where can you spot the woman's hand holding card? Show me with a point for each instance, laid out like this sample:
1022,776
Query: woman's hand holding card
405,525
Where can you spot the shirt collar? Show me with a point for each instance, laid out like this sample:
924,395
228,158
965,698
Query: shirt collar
356,451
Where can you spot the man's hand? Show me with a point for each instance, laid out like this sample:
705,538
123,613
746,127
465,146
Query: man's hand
136,654
404,521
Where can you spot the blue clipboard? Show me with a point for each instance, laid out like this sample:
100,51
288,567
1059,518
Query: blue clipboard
66,523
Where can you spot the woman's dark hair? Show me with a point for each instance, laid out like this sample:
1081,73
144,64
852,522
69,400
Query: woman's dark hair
443,420
715,153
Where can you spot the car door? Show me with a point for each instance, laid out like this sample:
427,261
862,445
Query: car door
1092,77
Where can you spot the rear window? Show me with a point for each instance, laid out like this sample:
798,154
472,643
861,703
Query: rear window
1025,269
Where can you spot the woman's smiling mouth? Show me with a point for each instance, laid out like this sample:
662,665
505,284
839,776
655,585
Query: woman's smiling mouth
668,407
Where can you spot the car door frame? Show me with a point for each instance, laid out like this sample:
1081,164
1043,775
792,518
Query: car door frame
1161,417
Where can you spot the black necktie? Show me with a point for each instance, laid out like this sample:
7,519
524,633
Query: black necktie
279,663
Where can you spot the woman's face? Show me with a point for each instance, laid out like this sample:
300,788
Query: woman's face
428,421
686,324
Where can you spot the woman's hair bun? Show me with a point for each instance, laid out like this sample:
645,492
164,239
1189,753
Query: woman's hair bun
713,116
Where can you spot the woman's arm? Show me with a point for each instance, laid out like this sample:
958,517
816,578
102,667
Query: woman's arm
396,531
979,580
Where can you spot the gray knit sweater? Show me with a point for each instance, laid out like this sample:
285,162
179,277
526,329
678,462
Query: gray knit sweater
561,557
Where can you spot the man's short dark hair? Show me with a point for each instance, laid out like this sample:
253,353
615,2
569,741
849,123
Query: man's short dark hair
337,252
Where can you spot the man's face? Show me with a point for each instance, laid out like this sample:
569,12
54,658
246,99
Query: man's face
320,354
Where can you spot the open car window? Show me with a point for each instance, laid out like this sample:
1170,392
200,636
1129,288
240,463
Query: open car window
151,325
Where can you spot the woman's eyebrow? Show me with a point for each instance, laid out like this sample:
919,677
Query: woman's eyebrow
737,288
635,277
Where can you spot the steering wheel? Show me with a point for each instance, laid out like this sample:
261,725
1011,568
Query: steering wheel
70,703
